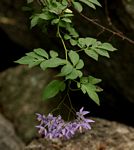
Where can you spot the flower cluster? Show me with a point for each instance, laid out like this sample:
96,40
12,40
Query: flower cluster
55,127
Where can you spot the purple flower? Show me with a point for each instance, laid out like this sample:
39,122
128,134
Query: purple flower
83,123
55,127
80,116
69,130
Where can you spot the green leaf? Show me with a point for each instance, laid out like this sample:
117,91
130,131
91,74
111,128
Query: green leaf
66,69
94,96
95,2
80,64
67,20
52,63
68,15
53,88
55,21
83,89
78,84
90,86
78,6
72,31
34,63
73,42
41,52
30,61
88,3
90,89
102,52
98,89
91,53
62,24
93,80
90,41
73,75
81,42
107,46
67,37
34,55
96,44
34,20
25,60
64,2
74,57
79,73
46,16
56,7
53,54
86,42
84,80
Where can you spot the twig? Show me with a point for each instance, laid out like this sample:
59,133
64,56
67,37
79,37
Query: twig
107,29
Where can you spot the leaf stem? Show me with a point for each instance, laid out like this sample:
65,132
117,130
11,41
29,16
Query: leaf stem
58,106
79,50
59,35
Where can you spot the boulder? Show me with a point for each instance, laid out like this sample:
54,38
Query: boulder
21,91
21,97
104,135
8,138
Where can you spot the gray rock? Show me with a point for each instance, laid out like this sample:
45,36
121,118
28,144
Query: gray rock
21,97
8,138
105,135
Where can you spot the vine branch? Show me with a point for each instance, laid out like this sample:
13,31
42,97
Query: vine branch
107,29
59,35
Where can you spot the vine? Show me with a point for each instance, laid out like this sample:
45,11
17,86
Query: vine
58,13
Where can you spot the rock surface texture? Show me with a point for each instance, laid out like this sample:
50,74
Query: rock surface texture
21,97
20,92
105,135
8,138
